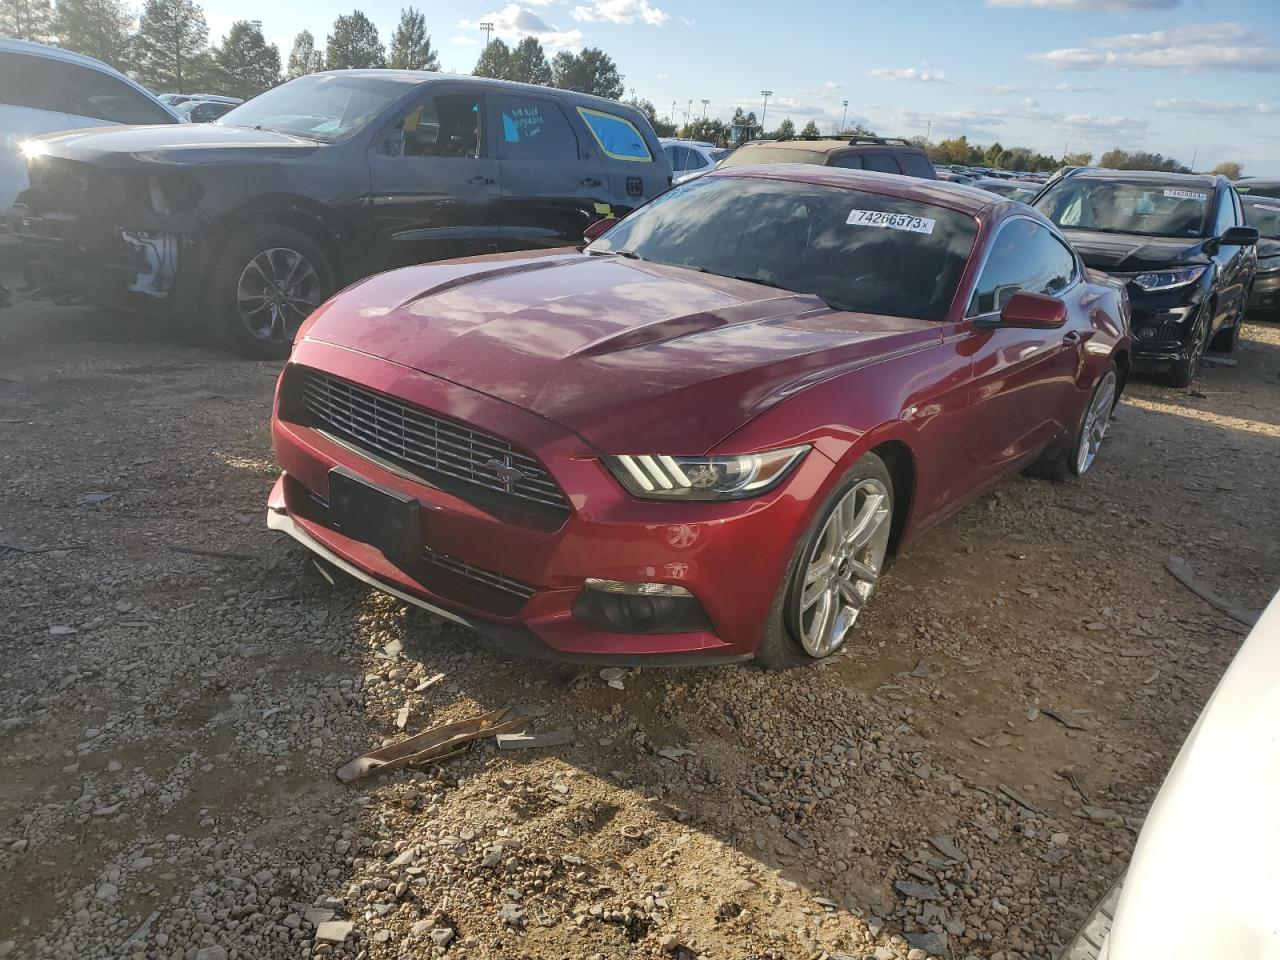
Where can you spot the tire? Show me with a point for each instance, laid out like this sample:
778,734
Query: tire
1225,340
263,282
792,636
1184,371
1073,459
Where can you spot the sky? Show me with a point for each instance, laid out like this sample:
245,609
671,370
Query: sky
1194,79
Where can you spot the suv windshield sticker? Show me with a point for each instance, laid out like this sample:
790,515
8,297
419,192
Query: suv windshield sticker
1186,195
892,221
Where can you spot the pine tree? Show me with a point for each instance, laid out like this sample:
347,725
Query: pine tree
411,44
354,44
172,45
98,28
785,129
591,71
495,61
246,63
304,58
26,20
528,63
811,129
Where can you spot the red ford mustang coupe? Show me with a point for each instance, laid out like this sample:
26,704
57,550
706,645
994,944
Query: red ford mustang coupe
700,438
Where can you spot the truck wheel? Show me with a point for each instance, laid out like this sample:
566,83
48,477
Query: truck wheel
263,282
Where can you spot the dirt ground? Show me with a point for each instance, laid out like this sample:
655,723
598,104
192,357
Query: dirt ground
964,781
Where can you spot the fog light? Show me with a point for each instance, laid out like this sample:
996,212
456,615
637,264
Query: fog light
617,606
1147,333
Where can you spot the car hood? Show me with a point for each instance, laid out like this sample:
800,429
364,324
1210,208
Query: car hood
1208,851
632,356
1131,253
186,144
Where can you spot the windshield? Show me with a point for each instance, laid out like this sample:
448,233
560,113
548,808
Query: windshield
322,106
1263,213
856,250
745,155
1148,209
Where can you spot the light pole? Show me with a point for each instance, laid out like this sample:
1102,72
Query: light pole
928,128
704,108
765,110
672,115
844,117
488,30
688,112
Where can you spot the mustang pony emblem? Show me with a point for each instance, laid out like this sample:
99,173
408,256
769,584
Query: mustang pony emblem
508,474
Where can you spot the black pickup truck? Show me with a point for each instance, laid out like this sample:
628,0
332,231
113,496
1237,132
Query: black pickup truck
245,225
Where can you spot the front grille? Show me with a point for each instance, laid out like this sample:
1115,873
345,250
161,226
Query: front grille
478,575
444,452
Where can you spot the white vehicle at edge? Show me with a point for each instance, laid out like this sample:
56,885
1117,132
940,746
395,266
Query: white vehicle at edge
1204,882
44,89
691,158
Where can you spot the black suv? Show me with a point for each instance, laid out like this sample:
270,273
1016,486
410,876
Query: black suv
1180,244
881,154
252,221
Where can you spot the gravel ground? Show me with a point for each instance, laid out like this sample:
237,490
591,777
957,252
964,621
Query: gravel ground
963,781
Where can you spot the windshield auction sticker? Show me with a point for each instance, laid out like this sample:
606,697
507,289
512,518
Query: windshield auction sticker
890,221
1186,195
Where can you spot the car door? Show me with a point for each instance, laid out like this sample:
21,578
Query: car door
1021,378
633,172
1236,261
553,187
434,182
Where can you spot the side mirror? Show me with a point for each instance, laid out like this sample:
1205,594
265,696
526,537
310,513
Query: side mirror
1032,311
1239,237
602,226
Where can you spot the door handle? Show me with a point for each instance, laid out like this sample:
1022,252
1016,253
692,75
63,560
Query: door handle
591,182
481,181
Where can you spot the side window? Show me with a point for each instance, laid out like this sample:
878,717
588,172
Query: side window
673,156
104,97
1025,256
447,125
1235,201
694,160
23,82
915,165
881,161
617,136
849,161
1226,215
534,129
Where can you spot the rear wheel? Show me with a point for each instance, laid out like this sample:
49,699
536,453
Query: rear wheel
1225,341
834,571
1073,459
1185,370
262,284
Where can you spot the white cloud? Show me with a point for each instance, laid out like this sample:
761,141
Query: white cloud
462,41
791,106
621,11
514,22
1214,107
1121,6
909,73
1191,48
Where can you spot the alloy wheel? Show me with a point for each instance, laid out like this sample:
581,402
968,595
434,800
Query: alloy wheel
843,567
1096,421
278,289
1200,341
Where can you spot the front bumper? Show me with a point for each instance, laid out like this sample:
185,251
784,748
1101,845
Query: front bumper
731,556
1162,323
1266,291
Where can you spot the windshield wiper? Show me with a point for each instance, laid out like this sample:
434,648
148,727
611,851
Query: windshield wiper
629,254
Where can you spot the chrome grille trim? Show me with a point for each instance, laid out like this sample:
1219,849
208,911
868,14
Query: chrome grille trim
479,575
422,440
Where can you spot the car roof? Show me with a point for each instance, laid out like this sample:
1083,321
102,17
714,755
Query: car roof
832,144
1148,176
8,45
418,77
953,196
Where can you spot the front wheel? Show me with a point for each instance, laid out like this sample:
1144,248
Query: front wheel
263,283
1185,370
834,571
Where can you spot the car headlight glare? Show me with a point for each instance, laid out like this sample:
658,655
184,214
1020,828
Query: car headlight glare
1168,279
33,148
660,477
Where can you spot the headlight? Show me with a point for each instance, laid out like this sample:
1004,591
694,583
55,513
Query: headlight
660,477
33,148
1168,279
